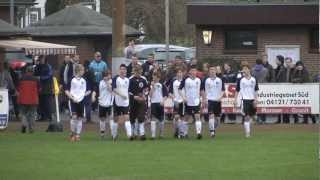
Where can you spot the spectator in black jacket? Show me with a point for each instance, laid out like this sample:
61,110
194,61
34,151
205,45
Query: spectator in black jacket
280,71
148,66
290,67
134,62
66,74
228,75
44,71
281,76
90,98
271,75
301,75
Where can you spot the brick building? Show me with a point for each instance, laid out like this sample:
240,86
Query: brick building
78,26
245,31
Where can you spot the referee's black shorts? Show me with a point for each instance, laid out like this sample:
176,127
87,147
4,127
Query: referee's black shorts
137,111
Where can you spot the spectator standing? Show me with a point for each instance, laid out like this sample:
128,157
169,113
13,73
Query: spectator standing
44,71
90,97
260,73
219,71
271,74
28,99
228,75
134,63
290,67
281,76
66,73
301,75
280,72
97,66
129,50
147,67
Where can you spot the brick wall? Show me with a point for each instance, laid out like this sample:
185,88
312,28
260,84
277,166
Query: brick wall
265,36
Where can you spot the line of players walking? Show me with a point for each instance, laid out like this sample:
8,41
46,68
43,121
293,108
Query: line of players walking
125,101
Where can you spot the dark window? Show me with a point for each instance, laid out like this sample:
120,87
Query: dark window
314,39
237,39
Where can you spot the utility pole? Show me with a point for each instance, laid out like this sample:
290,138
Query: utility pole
167,29
12,12
118,37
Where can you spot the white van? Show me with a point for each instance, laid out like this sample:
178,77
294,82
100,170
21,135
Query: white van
143,50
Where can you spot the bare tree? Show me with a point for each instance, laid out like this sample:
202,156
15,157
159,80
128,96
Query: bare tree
150,15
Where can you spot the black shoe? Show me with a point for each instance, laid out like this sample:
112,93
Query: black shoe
213,135
199,136
23,129
31,131
102,134
143,138
176,134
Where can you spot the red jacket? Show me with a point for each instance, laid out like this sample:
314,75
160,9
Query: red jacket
28,89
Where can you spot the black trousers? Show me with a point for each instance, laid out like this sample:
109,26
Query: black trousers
45,106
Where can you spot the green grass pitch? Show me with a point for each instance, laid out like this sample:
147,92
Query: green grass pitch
271,154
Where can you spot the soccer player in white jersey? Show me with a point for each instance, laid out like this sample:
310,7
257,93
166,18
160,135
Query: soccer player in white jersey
179,124
191,97
247,87
120,86
105,100
76,91
158,93
213,89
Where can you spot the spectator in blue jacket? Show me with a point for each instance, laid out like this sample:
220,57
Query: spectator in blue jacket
44,71
97,66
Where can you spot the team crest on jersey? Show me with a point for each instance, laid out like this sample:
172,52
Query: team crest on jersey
140,84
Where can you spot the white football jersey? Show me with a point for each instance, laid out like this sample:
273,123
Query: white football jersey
78,88
159,92
105,93
175,91
213,88
121,85
247,88
192,90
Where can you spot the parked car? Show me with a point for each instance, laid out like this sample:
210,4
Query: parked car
143,50
185,53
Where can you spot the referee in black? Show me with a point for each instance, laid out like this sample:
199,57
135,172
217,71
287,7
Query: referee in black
138,88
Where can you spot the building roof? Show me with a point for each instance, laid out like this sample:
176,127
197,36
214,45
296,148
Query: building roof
7,29
17,2
76,20
252,13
